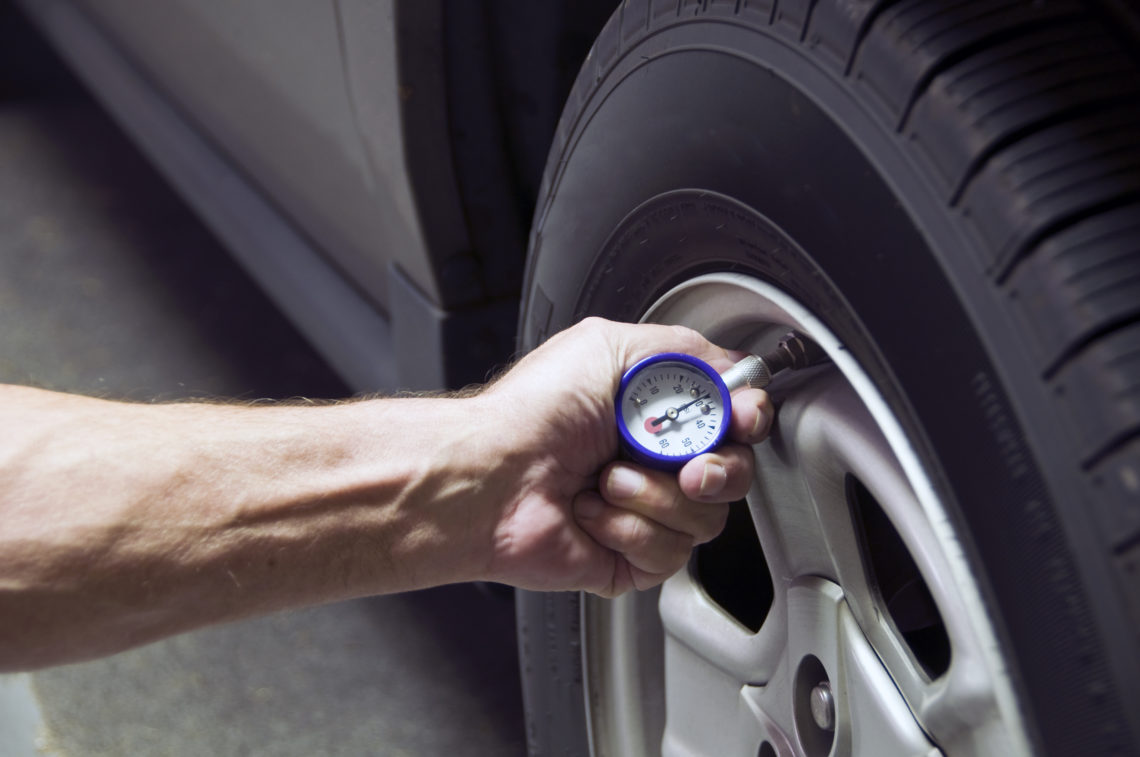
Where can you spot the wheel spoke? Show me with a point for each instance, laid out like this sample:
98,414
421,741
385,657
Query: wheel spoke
799,500
858,711
868,610
690,618
824,650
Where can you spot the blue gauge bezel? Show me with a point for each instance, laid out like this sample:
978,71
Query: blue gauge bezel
656,460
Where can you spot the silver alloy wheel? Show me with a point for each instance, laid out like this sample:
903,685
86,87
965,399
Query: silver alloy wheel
828,671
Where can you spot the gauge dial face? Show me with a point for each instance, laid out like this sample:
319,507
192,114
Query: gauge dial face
671,408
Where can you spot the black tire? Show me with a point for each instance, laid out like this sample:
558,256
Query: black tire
954,189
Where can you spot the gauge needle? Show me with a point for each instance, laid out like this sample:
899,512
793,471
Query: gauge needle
653,425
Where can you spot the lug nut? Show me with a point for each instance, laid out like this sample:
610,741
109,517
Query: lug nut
823,706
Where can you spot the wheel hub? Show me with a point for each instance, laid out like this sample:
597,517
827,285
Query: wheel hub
864,572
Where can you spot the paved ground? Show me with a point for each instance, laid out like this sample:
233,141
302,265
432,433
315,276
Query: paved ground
108,286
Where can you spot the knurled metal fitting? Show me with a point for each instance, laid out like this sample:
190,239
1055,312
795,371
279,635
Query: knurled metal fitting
751,371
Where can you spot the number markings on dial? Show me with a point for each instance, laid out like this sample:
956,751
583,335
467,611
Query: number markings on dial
679,435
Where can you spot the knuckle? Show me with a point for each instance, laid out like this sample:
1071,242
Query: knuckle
741,466
713,524
682,332
592,323
675,504
643,580
638,535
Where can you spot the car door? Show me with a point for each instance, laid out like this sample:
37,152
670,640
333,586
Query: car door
304,98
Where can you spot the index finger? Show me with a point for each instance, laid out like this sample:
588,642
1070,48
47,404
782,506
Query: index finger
642,340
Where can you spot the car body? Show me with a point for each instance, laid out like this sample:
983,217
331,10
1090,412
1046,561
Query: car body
365,161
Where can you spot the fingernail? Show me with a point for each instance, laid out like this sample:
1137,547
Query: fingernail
713,479
624,482
759,424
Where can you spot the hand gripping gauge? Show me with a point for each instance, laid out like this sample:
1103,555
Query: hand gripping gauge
673,407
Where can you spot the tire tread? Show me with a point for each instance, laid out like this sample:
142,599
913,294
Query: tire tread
1093,271
914,41
1027,116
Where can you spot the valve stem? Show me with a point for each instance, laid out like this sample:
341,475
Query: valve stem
795,351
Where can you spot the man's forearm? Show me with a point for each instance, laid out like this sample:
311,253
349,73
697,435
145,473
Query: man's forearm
125,523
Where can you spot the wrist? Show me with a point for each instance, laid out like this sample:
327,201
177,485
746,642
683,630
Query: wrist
453,472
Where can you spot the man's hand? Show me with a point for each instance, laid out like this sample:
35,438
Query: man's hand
124,523
578,519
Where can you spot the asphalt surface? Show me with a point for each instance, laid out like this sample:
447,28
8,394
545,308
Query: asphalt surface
109,286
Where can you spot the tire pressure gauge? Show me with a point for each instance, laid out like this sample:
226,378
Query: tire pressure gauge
672,407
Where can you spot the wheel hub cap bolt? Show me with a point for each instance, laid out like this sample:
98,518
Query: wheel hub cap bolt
823,706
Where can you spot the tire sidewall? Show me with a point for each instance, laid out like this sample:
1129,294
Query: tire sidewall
861,239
